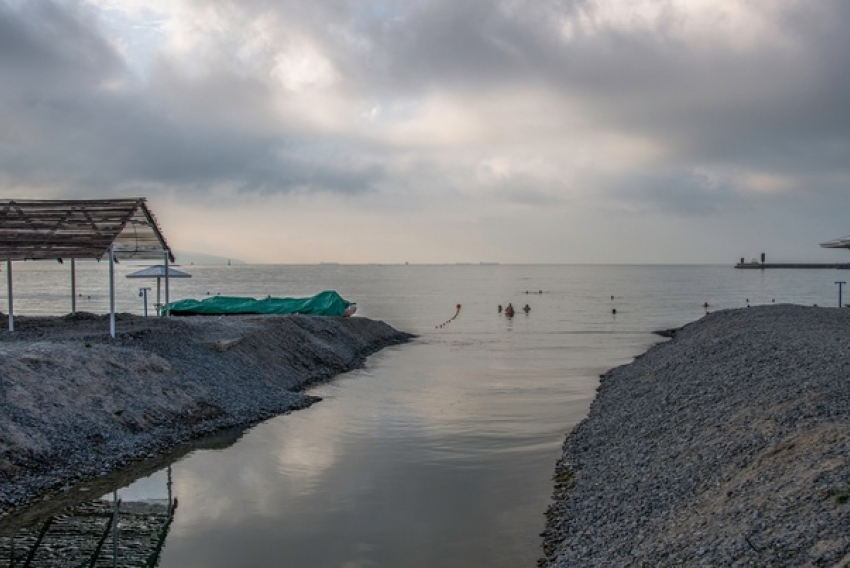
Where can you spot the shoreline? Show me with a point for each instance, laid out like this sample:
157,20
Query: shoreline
729,444
76,405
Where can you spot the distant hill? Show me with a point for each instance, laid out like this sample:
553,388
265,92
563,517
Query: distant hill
188,257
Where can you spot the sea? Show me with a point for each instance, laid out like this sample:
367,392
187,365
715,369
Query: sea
438,452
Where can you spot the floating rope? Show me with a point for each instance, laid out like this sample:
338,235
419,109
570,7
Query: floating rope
445,323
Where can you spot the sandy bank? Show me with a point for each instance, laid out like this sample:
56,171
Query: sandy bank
727,445
75,403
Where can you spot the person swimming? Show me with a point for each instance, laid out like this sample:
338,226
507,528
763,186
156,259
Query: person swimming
509,311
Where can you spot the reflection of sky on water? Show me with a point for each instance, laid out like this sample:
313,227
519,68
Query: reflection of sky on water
438,453
150,488
238,483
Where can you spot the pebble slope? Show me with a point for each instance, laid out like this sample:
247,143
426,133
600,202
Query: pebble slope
77,404
727,445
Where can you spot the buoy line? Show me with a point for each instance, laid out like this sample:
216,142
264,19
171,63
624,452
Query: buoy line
445,323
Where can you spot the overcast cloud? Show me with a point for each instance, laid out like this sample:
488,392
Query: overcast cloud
438,130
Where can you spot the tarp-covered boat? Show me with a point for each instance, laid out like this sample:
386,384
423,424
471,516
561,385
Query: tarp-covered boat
327,303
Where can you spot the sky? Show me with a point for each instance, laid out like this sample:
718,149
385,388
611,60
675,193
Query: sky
432,131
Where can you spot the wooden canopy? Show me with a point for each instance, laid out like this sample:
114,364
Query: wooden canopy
68,229
33,229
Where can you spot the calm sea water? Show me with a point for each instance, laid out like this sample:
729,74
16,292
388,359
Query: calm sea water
439,452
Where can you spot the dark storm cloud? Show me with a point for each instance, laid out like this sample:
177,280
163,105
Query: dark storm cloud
777,107
777,104
682,193
469,46
44,46
73,117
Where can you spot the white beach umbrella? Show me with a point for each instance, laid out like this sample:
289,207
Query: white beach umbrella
840,242
159,272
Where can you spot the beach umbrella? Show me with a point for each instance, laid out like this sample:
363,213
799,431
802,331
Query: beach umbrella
159,272
840,242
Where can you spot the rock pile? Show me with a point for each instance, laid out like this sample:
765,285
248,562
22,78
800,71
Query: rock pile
76,404
728,445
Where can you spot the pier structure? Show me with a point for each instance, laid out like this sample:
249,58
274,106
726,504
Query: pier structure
763,264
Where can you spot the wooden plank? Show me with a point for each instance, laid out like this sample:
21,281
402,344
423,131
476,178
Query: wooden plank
47,229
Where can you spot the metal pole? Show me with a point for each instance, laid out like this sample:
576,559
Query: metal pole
143,292
9,288
167,309
114,527
73,286
112,292
840,286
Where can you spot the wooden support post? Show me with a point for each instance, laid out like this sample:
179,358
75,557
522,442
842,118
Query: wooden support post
112,292
167,286
73,286
9,288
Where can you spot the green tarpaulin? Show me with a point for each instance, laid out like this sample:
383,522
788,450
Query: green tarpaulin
327,303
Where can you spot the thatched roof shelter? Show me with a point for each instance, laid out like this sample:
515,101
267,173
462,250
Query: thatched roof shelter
63,229
32,229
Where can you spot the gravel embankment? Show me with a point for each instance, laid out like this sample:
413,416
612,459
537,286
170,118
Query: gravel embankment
76,404
728,445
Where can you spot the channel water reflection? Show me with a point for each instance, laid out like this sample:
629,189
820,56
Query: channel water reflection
438,453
